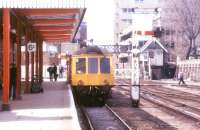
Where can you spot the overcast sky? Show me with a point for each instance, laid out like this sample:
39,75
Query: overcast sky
100,21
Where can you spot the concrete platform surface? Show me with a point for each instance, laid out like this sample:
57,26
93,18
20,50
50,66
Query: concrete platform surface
52,110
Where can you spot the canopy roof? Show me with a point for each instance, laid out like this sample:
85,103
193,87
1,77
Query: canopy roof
54,25
54,20
42,4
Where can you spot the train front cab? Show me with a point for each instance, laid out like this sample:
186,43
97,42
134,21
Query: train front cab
92,74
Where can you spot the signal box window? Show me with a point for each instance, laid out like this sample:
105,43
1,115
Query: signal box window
80,66
92,65
105,65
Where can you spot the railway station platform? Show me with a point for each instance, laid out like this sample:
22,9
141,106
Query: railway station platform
52,110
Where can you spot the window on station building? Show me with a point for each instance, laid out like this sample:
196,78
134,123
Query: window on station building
151,54
139,0
92,65
128,10
141,43
124,10
172,45
105,65
129,21
80,66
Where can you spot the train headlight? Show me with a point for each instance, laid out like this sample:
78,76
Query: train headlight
80,82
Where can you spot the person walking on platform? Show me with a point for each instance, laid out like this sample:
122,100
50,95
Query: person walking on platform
50,70
13,74
55,72
181,78
61,70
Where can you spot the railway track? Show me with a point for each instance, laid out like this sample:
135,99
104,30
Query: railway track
168,99
103,118
143,118
190,112
171,93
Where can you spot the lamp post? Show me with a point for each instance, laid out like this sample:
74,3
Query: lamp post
135,78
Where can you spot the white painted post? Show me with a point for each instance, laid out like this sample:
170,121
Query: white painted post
135,80
143,67
149,59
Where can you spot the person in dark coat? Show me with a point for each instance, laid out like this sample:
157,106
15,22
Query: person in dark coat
50,70
61,70
55,72
13,76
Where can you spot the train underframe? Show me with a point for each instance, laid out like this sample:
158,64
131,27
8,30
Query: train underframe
92,95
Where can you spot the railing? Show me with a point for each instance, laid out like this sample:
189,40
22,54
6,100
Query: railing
190,69
122,73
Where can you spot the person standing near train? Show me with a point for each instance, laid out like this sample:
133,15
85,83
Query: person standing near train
50,70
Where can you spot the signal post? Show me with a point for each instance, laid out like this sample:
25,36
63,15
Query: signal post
135,78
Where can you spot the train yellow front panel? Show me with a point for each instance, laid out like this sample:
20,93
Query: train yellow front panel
90,79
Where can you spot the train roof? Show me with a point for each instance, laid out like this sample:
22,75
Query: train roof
92,50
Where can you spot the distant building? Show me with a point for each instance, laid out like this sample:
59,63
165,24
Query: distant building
129,11
139,22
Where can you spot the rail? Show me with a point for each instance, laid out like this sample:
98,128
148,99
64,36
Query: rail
152,98
114,113
89,115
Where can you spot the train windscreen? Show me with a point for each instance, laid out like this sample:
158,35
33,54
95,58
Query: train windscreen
81,66
105,65
92,65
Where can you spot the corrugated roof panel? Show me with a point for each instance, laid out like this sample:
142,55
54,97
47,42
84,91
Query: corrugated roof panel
42,3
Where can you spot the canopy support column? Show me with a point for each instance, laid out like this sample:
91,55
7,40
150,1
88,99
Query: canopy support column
32,62
41,60
37,56
6,59
18,61
27,87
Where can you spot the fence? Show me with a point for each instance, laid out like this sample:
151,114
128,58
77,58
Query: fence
190,69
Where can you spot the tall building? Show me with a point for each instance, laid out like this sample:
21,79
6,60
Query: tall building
136,23
138,14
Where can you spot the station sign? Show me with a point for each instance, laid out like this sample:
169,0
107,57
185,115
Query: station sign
31,47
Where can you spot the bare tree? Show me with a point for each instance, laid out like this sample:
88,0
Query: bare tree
186,14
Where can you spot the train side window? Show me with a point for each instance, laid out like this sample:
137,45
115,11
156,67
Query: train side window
105,65
80,66
92,65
